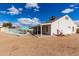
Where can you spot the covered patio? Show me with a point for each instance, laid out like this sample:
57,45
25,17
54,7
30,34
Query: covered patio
43,29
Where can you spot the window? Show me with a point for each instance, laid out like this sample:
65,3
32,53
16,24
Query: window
46,28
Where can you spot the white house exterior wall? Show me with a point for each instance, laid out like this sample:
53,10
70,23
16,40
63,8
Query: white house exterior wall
63,25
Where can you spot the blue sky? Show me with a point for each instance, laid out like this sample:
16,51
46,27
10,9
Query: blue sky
39,12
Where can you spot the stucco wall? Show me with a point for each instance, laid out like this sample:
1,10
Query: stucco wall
64,25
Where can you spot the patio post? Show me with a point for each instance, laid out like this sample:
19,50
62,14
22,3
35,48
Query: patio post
37,30
41,30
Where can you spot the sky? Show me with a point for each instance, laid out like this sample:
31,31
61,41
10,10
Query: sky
35,13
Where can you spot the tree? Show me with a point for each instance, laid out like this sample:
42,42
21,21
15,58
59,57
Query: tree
52,18
8,24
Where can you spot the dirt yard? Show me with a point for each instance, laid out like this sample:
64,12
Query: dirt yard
28,45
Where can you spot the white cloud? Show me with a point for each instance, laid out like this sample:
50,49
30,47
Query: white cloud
77,22
35,6
28,21
69,10
16,24
76,7
14,11
20,9
3,12
24,20
36,10
31,5
72,5
35,21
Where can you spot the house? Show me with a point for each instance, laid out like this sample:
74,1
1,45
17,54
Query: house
63,25
3,29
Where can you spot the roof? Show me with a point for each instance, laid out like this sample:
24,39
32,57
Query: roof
56,20
46,24
53,21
